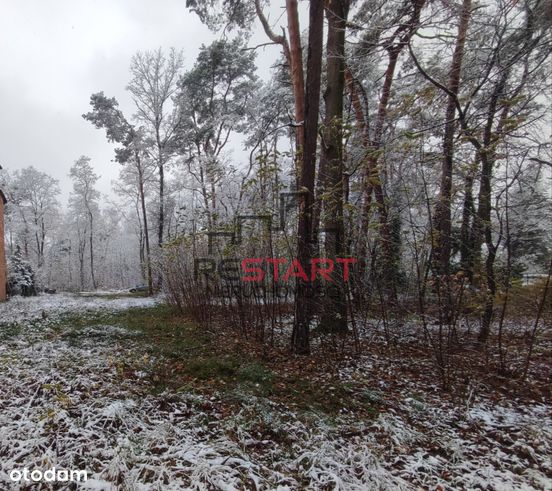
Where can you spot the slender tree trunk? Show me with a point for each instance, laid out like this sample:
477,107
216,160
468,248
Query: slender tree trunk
304,293
483,223
38,255
213,197
82,249
91,245
161,228
484,232
26,241
372,180
297,78
442,218
145,219
141,245
540,311
361,248
334,314
468,211
293,53
42,240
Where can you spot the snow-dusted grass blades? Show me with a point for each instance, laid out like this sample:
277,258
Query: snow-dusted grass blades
140,400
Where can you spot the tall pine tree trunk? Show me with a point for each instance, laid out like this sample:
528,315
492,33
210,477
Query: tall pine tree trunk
304,290
442,240
297,78
334,308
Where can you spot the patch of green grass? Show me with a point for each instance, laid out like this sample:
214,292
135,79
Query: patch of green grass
177,356
248,376
9,330
164,332
256,373
186,355
329,397
212,367
196,359
160,330
114,296
73,322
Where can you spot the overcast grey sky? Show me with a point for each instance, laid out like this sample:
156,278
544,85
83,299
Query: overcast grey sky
55,53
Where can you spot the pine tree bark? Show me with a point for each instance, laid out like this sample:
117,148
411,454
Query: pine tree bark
334,309
293,53
442,220
297,77
304,290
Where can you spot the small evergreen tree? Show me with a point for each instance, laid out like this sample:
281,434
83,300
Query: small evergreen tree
21,277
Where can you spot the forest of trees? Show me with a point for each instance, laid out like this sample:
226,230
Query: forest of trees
413,137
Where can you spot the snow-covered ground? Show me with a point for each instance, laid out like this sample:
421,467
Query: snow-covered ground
24,309
66,403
